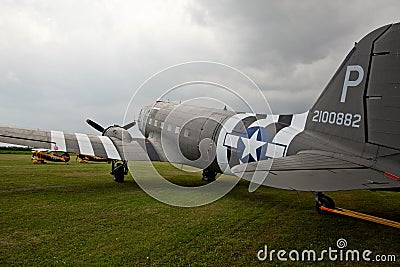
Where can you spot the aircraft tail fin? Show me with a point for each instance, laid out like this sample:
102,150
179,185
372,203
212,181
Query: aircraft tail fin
362,100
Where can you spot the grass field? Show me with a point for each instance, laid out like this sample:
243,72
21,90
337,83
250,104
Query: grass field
57,214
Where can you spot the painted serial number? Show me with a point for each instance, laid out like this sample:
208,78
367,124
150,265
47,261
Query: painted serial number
337,118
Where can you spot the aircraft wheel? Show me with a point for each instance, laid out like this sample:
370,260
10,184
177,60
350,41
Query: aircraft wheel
324,201
119,173
208,175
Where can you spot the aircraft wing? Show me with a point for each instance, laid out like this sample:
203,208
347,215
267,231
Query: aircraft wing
316,171
102,146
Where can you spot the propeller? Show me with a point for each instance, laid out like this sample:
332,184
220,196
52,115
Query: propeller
101,129
95,125
129,125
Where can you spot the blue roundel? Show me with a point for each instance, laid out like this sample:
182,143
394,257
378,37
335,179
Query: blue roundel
253,145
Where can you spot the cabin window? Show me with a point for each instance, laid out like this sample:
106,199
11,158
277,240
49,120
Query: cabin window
186,133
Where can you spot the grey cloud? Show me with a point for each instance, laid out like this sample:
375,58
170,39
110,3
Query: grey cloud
291,46
64,61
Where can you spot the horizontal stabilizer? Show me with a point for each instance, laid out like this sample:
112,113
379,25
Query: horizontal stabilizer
314,171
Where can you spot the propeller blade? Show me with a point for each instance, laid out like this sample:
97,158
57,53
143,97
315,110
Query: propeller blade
95,125
129,125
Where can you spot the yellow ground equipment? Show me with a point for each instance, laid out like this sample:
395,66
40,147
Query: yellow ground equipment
361,216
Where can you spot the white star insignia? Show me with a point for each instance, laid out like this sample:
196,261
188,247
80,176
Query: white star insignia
251,145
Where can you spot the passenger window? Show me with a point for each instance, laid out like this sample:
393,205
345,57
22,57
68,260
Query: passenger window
186,133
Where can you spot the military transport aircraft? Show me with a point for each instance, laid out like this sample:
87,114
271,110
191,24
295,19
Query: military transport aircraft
349,139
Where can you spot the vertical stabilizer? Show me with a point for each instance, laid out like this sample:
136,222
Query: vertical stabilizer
362,100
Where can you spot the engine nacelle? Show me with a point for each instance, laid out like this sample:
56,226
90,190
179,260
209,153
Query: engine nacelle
119,133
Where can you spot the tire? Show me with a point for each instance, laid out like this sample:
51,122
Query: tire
208,175
119,173
326,202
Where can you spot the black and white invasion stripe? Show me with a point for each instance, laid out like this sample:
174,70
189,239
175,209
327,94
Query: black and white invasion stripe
101,146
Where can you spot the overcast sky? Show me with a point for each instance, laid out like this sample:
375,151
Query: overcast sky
64,61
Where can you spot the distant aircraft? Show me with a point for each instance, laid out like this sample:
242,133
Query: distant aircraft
40,156
349,139
85,158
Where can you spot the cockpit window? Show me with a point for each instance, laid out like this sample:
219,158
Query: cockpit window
154,111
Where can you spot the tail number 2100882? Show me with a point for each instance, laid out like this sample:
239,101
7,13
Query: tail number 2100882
337,118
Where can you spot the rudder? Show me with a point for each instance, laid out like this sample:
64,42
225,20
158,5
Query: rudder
382,99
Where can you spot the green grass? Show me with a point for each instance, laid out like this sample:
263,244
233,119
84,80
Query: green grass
58,214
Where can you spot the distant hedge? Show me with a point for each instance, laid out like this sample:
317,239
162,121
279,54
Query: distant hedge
15,150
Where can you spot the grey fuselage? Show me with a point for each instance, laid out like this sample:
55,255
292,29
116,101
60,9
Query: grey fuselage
217,138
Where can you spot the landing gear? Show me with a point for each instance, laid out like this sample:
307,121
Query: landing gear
323,200
209,175
119,170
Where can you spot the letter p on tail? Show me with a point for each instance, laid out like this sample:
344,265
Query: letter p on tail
347,82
